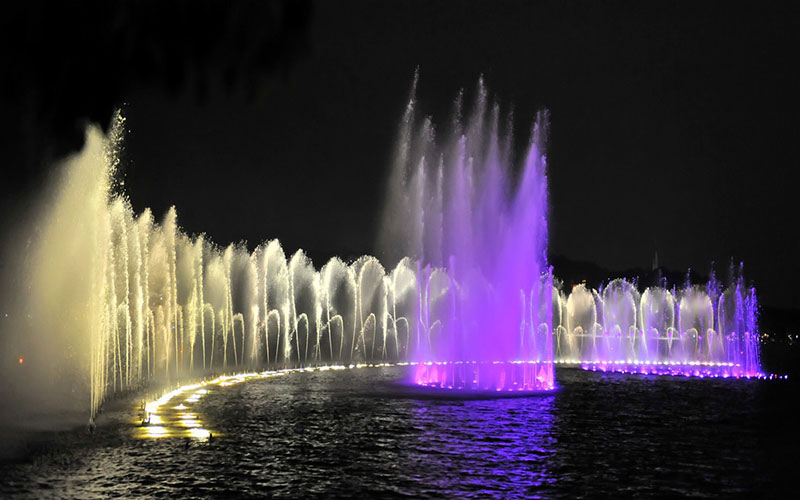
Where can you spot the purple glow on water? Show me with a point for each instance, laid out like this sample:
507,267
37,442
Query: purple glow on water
478,227
700,370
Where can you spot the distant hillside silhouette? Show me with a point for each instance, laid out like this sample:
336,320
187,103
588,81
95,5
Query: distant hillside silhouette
573,272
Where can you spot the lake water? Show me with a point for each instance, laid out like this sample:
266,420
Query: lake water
356,433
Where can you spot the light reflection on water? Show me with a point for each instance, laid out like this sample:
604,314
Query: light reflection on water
159,419
357,433
495,445
513,435
156,419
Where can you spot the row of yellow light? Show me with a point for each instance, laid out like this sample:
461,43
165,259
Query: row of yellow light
162,422
159,420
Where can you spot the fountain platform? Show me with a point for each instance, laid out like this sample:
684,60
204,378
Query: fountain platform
483,377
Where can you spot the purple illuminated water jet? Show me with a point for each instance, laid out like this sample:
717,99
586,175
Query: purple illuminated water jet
478,228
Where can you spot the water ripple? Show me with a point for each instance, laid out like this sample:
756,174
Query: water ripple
344,434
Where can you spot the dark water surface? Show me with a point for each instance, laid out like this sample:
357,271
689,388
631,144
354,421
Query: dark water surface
352,433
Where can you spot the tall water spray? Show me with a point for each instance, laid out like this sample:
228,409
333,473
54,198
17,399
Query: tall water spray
478,229
104,300
115,299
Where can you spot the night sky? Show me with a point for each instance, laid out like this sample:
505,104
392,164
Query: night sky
674,125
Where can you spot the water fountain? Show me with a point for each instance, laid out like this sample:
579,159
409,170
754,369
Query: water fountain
118,299
479,232
162,304
697,331
131,300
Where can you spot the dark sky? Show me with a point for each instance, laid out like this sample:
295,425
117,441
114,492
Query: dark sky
674,125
